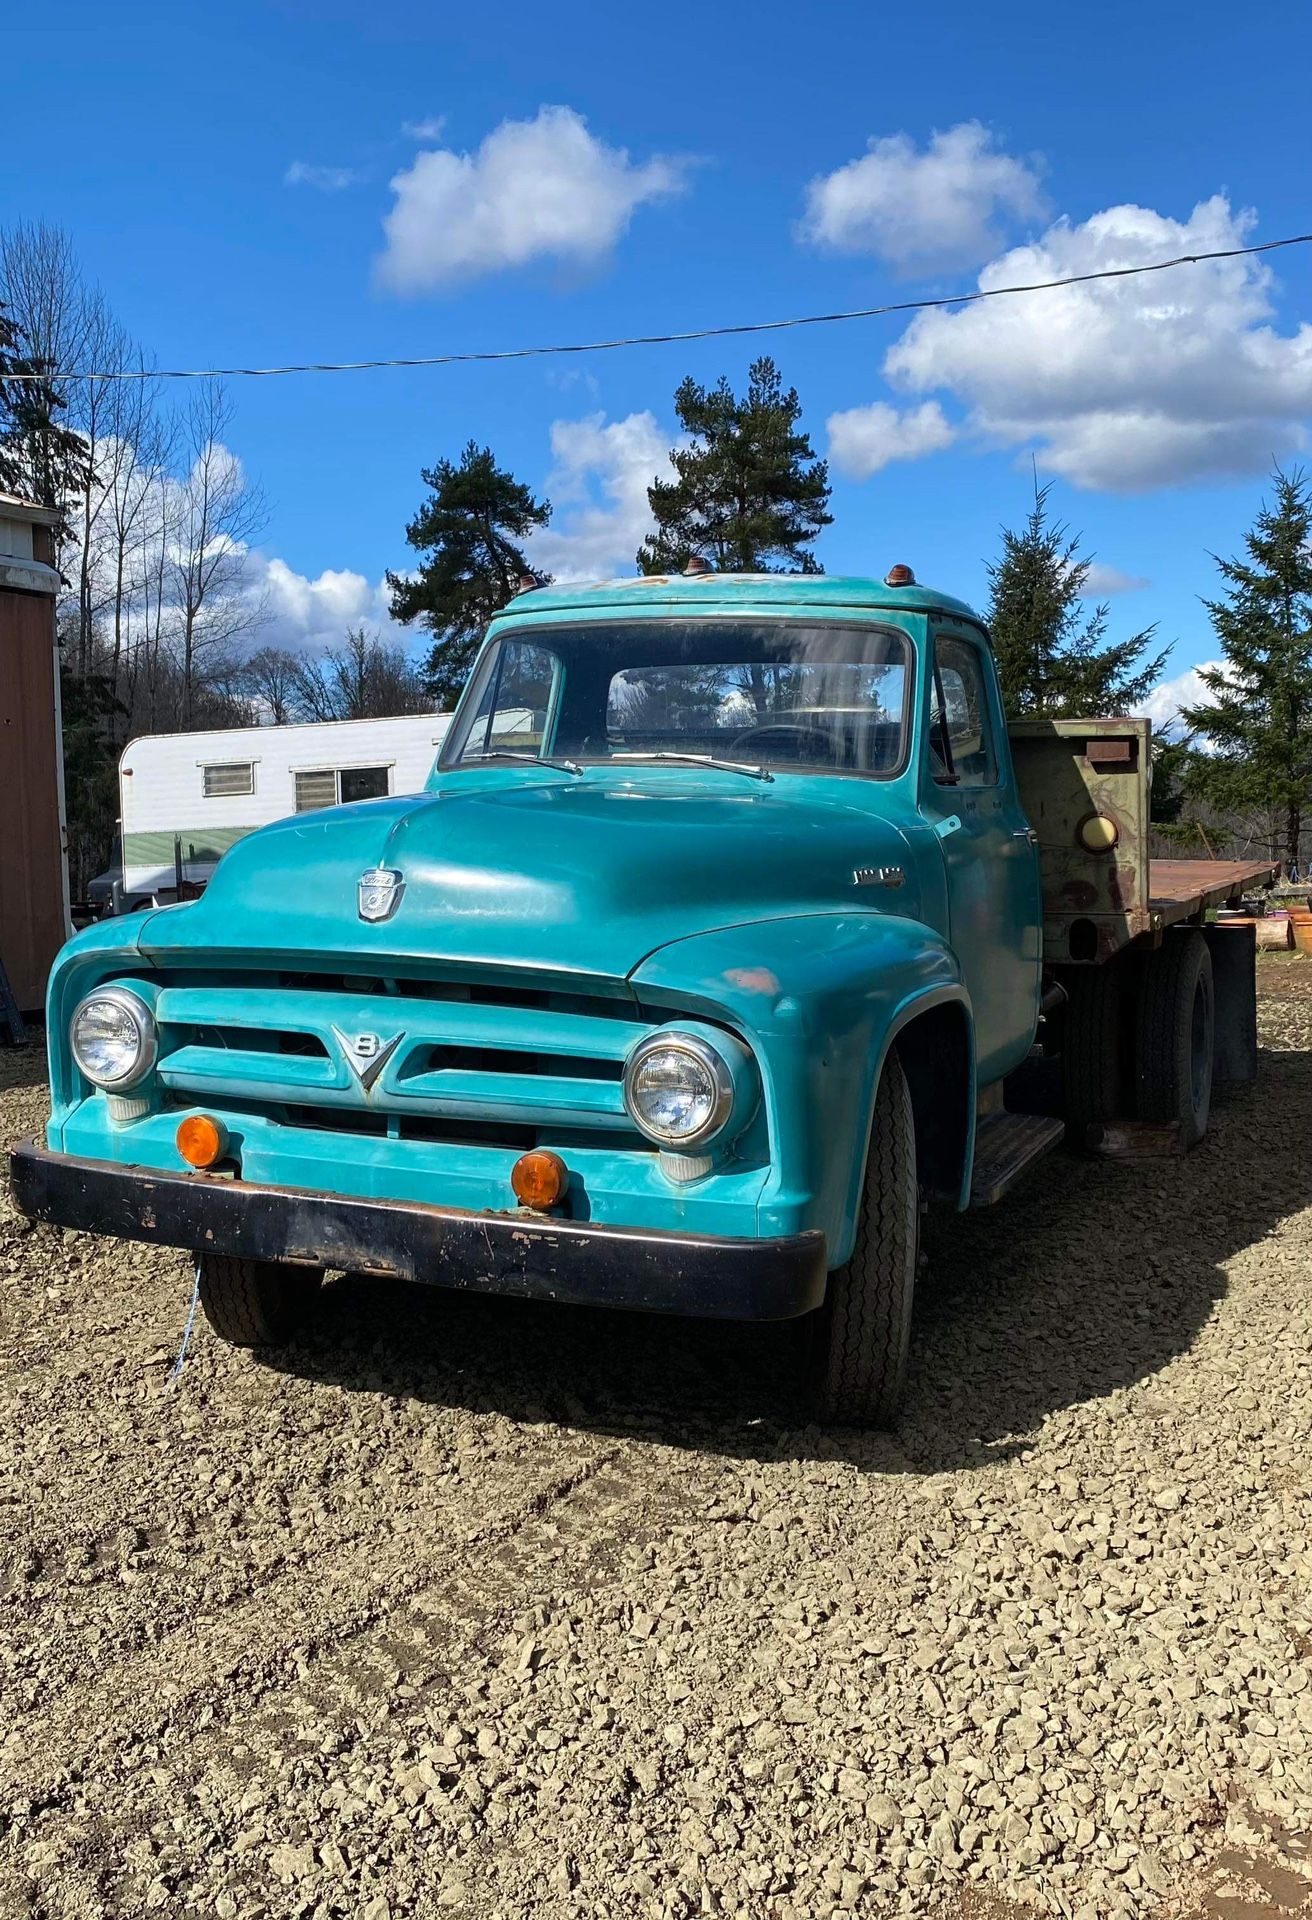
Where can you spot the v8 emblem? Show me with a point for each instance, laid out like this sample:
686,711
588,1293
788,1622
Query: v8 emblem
366,1054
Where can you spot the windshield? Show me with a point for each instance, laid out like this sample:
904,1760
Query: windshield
769,693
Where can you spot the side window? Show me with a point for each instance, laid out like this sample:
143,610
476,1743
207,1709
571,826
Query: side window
961,745
513,712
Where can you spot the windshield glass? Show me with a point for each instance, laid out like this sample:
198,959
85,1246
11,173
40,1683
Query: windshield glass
773,693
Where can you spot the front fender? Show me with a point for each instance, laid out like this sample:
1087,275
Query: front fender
820,998
100,952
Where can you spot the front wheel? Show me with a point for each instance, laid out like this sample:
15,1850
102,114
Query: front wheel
862,1332
255,1303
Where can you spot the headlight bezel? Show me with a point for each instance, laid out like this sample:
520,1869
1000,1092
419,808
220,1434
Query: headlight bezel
718,1069
142,1018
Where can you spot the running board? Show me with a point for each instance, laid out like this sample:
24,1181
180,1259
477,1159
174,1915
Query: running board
1007,1145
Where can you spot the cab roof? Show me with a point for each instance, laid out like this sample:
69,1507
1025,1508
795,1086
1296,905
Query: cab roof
823,592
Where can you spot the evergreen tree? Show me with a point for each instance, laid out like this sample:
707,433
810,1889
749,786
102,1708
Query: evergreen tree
1052,656
748,493
469,530
40,458
1258,711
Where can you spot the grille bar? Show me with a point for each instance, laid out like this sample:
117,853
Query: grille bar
561,1068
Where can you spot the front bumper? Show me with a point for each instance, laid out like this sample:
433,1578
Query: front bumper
516,1253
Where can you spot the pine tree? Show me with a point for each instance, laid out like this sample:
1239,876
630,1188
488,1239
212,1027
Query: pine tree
1258,711
40,458
470,529
748,493
1052,657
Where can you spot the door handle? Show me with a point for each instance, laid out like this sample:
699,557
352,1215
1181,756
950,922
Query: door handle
1026,833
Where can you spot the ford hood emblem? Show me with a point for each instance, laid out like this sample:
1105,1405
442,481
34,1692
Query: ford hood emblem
380,893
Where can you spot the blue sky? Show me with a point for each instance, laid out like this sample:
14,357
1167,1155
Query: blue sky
227,173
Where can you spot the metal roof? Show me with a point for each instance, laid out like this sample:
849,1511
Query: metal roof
822,592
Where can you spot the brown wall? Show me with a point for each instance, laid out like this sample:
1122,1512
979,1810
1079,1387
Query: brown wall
32,926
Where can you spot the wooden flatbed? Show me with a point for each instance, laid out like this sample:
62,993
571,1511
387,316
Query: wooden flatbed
1185,889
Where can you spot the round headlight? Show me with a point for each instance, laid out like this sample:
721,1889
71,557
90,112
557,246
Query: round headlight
114,1038
678,1088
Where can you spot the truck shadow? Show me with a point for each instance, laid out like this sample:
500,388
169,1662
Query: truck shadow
1080,1285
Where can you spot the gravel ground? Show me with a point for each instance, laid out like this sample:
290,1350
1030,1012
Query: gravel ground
476,1608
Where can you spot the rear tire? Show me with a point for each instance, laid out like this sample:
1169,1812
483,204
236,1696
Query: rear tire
1096,1040
1177,1035
255,1303
862,1332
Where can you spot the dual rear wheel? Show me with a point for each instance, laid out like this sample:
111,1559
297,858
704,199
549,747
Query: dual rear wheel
1139,1038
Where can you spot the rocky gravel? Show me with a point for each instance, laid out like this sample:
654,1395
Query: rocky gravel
475,1608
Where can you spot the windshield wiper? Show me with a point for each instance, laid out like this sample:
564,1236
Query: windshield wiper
528,759
703,760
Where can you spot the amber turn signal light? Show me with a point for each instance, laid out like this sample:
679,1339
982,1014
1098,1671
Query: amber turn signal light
201,1140
539,1179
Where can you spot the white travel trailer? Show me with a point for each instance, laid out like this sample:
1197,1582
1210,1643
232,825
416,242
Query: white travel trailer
186,797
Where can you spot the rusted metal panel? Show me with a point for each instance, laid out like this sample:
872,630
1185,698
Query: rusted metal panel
33,899
1075,775
1070,772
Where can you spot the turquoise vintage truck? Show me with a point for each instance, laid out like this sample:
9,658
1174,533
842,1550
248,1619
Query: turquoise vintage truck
708,958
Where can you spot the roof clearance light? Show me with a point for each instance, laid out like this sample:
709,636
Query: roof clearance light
899,576
696,563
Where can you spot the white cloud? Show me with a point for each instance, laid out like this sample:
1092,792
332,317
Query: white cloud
599,477
543,189
306,614
430,129
930,209
303,173
864,439
1183,690
1101,582
1127,384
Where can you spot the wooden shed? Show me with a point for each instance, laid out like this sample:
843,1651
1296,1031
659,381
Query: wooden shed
34,915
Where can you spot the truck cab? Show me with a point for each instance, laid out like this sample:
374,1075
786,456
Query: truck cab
718,927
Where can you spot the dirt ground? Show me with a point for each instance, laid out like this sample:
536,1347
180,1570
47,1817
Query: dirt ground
476,1608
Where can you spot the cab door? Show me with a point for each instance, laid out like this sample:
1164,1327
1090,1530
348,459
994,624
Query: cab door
990,857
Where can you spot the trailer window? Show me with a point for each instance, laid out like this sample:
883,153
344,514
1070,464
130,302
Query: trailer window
333,786
231,777
318,789
363,783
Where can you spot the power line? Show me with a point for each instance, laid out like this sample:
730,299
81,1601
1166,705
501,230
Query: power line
664,339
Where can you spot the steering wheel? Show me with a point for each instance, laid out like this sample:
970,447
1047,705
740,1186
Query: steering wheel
829,747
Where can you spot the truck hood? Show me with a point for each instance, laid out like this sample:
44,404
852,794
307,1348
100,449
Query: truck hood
543,872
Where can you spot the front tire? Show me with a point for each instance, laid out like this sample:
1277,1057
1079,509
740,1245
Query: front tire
255,1303
863,1330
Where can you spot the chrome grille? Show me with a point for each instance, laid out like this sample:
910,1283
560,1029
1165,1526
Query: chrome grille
456,1059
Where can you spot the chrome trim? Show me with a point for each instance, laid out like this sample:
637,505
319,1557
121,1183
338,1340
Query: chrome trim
378,893
143,1019
671,1039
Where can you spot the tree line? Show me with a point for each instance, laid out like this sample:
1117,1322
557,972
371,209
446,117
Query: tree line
749,495
159,617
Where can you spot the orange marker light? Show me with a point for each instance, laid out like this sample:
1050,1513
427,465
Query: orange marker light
201,1140
899,576
539,1179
